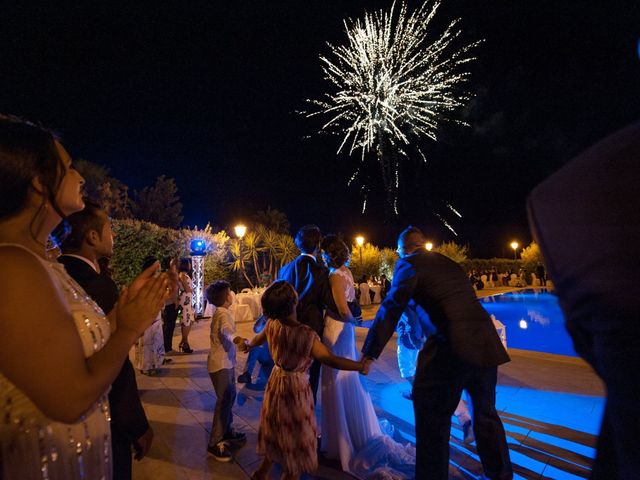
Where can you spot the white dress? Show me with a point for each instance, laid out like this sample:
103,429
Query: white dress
33,446
149,349
350,428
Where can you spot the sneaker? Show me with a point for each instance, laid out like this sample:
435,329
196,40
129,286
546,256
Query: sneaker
467,433
244,378
220,452
235,439
408,395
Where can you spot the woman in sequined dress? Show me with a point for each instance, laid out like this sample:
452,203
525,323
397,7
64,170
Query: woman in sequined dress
58,351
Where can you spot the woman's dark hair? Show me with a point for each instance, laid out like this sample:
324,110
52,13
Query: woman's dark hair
218,292
336,251
308,238
27,151
148,261
279,300
185,265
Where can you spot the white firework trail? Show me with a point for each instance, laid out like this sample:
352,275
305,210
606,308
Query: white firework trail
394,82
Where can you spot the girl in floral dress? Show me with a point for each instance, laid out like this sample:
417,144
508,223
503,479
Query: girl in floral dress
288,430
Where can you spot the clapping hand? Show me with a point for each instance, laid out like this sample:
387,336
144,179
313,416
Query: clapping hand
140,303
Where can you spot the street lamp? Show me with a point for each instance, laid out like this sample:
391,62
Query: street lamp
360,242
514,245
240,231
428,246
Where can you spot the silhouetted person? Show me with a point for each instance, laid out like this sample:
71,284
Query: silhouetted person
586,220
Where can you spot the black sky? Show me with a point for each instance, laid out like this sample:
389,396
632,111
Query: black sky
207,93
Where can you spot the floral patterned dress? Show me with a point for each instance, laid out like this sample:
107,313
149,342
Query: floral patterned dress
288,430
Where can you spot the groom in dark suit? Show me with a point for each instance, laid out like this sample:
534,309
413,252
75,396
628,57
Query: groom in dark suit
464,353
90,240
311,281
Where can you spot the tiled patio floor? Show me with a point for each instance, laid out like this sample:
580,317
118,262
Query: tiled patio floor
550,407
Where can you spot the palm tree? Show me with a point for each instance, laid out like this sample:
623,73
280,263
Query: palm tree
287,250
239,261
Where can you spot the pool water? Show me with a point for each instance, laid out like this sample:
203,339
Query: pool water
533,319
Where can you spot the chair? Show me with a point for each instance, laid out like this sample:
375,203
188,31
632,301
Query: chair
484,280
500,329
535,281
365,298
513,280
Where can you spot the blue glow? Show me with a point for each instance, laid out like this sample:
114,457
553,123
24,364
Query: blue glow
198,247
533,321
549,433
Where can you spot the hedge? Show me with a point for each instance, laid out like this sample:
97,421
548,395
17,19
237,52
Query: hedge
135,240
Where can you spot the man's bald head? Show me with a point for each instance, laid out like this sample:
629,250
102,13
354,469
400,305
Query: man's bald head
410,240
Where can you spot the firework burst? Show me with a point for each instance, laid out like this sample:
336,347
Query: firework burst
393,83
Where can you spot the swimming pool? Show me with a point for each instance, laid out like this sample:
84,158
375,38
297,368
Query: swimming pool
533,319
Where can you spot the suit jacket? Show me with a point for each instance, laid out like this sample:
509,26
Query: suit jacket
311,281
586,220
127,415
440,287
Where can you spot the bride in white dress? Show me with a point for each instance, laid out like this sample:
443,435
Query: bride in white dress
350,428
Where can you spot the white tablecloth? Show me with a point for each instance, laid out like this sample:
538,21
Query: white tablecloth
376,289
241,313
251,299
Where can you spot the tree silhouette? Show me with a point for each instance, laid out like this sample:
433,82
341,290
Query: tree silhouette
159,204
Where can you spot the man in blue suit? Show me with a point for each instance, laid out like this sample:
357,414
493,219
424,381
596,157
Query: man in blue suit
311,281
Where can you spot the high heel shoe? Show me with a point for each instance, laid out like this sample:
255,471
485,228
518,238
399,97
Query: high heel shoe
185,348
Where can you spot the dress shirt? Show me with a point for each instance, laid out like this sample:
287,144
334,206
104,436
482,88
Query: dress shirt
84,259
223,350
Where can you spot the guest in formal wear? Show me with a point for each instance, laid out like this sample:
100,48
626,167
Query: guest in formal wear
221,364
89,240
59,353
585,220
186,315
311,282
463,354
287,433
169,319
149,349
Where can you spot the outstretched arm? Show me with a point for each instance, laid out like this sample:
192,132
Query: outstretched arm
320,352
245,345
396,301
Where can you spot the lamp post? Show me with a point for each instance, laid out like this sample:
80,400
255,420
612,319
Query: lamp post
360,242
514,245
428,246
240,231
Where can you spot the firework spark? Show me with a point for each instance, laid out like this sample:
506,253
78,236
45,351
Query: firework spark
393,84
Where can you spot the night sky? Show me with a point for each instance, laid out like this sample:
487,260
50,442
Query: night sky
207,93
